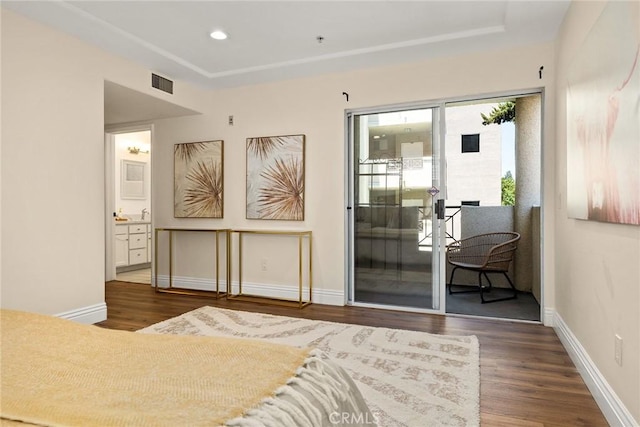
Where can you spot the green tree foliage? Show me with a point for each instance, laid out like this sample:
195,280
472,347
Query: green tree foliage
504,112
508,190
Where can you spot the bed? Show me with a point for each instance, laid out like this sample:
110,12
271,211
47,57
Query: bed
57,372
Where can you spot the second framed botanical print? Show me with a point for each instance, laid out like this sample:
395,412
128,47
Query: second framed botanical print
198,179
275,177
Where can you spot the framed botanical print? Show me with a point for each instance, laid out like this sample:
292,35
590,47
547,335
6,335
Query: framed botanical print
275,177
198,179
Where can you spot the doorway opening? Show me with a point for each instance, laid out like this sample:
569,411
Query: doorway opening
493,157
129,205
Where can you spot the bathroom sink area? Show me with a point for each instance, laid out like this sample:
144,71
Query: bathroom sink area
141,218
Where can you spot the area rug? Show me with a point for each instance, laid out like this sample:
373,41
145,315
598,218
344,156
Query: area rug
408,378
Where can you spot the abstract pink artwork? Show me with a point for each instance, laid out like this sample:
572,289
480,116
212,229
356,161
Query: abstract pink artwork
603,119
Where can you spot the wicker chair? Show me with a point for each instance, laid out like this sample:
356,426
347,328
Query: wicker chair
484,253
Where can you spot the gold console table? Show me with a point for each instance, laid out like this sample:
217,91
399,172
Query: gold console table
300,302
185,291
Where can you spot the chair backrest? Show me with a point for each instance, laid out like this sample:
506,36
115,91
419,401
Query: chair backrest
489,251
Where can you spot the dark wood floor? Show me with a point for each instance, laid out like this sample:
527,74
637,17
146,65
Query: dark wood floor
527,378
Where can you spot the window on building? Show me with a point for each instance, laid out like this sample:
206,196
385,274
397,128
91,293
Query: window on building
471,143
470,203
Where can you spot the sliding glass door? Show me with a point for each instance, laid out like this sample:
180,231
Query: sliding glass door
419,181
391,215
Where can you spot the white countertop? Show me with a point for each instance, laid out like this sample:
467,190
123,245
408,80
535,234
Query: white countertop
132,222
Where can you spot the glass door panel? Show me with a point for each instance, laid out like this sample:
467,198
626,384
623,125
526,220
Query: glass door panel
392,227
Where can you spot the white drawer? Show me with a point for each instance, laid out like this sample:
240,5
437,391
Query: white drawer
138,228
137,256
121,229
138,241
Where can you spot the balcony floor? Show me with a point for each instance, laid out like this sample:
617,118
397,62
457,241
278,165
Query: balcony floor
412,289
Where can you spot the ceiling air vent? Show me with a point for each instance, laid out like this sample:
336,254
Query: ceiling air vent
161,83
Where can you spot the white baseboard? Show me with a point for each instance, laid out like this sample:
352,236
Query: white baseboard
89,315
319,296
610,404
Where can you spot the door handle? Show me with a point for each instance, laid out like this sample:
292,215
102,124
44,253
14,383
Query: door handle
440,208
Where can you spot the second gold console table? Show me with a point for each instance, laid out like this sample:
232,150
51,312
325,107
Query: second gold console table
217,293
300,302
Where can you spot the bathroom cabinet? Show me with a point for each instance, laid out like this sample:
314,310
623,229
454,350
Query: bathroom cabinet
121,243
132,244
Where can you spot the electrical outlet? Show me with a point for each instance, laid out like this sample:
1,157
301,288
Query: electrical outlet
618,351
230,120
263,264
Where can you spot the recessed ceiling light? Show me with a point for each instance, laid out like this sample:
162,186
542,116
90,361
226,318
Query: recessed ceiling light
218,35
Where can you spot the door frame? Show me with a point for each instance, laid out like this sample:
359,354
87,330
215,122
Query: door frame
439,106
109,189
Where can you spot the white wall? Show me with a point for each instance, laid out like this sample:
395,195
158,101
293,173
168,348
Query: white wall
598,264
51,167
316,107
0,163
53,219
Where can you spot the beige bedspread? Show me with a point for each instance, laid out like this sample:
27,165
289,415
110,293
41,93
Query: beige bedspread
56,372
